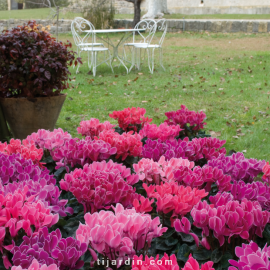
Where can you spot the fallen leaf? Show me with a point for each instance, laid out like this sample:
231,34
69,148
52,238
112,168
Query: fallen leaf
80,92
215,134
140,73
144,101
236,137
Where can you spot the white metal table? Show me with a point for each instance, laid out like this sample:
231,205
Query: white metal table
126,34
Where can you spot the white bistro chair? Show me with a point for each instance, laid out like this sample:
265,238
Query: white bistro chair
161,26
86,42
141,37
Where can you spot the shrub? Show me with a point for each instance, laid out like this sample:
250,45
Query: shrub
99,12
32,63
3,5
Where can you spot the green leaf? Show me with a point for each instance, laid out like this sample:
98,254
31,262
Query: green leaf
162,246
224,262
168,233
186,237
60,173
183,253
171,241
216,255
202,254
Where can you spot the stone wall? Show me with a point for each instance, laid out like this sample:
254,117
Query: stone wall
197,6
228,26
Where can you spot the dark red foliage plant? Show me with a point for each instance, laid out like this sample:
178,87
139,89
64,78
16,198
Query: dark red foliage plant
33,63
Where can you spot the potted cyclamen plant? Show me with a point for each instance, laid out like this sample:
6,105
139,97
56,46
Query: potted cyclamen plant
33,73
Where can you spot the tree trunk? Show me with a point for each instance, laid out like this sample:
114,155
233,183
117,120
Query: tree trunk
137,12
156,9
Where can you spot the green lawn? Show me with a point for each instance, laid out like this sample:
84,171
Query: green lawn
43,13
225,75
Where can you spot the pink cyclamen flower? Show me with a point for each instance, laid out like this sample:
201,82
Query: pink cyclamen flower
192,264
143,205
163,132
99,185
127,144
165,263
251,257
184,117
93,127
35,266
119,235
266,171
48,140
131,119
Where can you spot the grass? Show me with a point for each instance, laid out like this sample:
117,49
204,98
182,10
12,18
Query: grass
43,13
225,75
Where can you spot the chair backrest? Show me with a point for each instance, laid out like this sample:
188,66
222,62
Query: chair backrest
162,26
150,29
78,26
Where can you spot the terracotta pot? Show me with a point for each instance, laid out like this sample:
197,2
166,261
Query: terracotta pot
25,117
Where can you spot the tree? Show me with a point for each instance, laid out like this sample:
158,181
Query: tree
137,10
156,9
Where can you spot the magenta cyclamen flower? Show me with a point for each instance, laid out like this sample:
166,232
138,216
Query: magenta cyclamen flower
251,257
14,168
206,148
93,127
80,152
99,185
49,248
238,167
35,266
120,234
184,117
169,149
266,171
243,219
48,140
163,132
256,191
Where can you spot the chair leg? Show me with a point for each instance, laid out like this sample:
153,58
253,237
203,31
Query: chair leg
132,59
153,61
79,55
94,64
110,61
161,58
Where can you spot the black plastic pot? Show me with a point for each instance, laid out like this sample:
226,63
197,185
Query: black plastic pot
4,132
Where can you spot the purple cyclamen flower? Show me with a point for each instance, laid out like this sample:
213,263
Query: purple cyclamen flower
238,167
14,168
251,257
49,248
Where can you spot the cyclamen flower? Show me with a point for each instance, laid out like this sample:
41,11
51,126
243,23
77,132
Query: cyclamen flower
184,226
27,151
99,185
174,198
143,205
80,152
192,264
120,234
48,140
93,127
131,118
49,249
266,171
154,172
15,168
233,218
184,116
165,263
48,194
163,132
127,144
35,266
206,148
238,167
256,191
19,212
251,257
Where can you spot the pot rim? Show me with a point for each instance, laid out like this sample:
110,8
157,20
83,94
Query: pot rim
61,94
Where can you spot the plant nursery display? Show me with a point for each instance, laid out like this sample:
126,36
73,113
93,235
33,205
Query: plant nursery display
33,73
132,196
